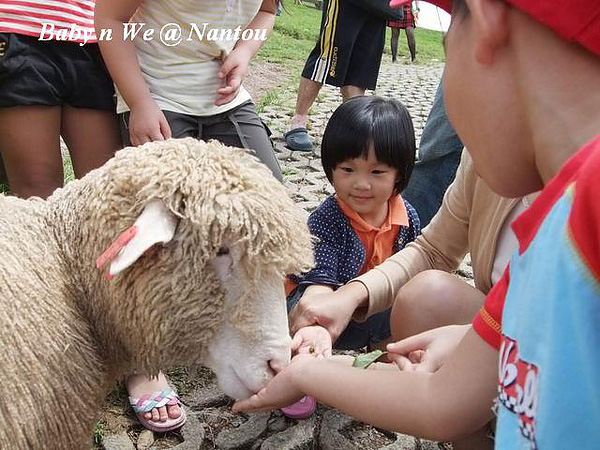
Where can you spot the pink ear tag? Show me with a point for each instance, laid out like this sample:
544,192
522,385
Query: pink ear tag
113,249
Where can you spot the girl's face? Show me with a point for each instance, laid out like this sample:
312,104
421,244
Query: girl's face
366,186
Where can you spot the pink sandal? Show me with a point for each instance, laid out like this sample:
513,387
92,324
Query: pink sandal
157,399
302,409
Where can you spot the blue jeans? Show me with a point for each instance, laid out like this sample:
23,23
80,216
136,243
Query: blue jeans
357,335
439,155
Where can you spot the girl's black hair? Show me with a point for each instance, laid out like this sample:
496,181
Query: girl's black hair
369,120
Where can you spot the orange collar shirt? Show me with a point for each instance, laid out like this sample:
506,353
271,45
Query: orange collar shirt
377,242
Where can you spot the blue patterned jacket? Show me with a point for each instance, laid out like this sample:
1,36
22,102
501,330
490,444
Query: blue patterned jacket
339,252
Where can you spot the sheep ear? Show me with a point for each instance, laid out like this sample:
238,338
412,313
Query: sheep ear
156,224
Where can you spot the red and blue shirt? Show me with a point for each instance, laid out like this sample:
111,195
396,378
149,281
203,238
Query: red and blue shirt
544,316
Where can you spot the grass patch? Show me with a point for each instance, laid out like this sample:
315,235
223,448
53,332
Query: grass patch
99,432
270,97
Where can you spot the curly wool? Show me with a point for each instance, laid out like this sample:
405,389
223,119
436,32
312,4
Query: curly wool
67,333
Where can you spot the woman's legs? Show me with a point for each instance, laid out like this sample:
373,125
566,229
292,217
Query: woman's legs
30,148
92,136
412,46
394,43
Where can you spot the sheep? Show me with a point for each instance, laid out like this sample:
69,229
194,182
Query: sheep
196,236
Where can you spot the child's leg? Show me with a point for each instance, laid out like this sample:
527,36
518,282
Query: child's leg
30,147
92,136
433,299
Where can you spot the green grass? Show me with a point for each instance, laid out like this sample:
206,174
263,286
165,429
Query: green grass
296,31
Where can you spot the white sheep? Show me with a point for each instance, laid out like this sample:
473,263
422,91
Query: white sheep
210,293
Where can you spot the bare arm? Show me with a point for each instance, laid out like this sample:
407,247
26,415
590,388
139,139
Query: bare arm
147,122
445,405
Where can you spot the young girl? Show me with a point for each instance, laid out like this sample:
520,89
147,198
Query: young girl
49,88
368,152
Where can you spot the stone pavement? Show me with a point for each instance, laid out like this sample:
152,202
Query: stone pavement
211,422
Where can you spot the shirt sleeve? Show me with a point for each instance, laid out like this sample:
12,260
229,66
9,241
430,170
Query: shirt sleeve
488,321
328,251
584,220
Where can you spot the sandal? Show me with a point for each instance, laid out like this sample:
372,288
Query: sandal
298,140
302,409
158,399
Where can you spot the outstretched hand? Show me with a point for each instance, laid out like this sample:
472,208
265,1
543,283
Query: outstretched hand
427,351
281,391
313,340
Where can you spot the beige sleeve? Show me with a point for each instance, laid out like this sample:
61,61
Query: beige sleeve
442,245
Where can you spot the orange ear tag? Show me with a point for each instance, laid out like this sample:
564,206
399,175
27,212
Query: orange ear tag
113,249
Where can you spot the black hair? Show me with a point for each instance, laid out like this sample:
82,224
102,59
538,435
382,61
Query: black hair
370,120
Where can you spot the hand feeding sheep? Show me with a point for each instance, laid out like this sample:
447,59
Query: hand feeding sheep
196,237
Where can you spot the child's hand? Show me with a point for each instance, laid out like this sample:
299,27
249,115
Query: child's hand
281,391
314,340
147,123
233,72
426,352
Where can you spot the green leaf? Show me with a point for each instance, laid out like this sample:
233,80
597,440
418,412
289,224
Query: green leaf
366,359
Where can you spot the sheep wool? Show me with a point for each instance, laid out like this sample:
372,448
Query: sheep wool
67,333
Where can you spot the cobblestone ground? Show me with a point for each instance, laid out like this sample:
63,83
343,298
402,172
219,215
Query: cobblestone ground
211,423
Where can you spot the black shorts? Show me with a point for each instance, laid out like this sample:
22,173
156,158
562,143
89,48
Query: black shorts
34,72
348,52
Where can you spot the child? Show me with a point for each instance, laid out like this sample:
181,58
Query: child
521,88
52,87
368,152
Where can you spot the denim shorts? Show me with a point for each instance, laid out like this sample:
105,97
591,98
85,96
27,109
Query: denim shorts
357,335
52,73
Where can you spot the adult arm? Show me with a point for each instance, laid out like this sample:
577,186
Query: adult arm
235,65
445,405
146,122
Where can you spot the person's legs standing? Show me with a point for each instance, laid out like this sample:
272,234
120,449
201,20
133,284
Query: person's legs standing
394,42
328,63
410,38
30,148
439,155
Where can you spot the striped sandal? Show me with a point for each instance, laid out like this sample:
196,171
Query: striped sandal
157,399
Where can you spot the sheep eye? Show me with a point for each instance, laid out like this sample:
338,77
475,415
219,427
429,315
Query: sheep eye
223,251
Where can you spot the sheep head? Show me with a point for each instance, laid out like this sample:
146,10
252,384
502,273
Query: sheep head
205,287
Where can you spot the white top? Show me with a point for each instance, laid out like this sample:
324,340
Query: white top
507,241
181,67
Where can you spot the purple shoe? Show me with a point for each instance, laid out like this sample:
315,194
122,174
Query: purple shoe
302,409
